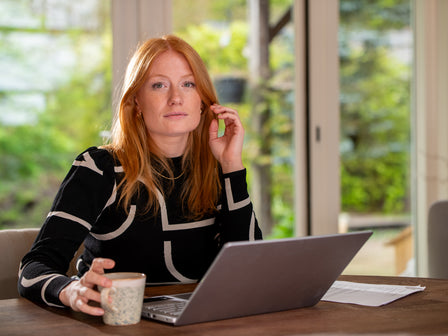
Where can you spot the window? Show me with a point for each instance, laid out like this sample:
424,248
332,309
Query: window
376,57
55,94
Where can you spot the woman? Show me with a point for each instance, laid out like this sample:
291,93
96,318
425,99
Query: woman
161,198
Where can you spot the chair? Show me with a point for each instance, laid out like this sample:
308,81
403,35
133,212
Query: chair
438,240
14,244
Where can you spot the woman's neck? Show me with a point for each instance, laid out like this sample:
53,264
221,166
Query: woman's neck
171,147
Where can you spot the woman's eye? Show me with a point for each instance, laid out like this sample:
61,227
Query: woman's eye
190,84
157,85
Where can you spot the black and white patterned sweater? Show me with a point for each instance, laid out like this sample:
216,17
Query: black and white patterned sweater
167,247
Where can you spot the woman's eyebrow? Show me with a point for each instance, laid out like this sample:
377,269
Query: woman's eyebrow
167,77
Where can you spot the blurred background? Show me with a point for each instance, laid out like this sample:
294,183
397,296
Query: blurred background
56,92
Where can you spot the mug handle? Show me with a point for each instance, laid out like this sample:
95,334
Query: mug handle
106,300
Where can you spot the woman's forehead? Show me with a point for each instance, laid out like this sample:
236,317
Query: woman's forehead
168,60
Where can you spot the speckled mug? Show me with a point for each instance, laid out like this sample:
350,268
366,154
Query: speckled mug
122,303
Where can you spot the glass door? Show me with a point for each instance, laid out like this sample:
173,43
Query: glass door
375,59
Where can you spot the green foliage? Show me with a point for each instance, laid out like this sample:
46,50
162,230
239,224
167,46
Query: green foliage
33,157
375,112
221,49
81,108
218,12
284,219
27,151
36,156
378,15
25,203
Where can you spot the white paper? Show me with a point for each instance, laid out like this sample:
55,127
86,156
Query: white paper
367,294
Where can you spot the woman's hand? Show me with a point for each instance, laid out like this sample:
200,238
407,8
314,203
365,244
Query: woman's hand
228,148
78,293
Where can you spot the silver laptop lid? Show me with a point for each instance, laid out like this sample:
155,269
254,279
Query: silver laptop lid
264,276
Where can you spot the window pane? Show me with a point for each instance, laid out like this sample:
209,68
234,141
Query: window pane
375,41
54,97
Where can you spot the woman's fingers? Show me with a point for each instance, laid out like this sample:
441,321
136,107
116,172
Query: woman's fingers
230,116
228,147
95,277
213,129
91,279
83,306
223,112
77,297
100,264
79,293
89,294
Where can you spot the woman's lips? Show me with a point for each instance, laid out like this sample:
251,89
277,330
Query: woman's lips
175,115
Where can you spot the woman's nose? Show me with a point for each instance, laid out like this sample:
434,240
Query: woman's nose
175,97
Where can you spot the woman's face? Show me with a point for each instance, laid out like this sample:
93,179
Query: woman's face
169,101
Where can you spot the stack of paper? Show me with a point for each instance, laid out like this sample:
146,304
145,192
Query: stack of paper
367,294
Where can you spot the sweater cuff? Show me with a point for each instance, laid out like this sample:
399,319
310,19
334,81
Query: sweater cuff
54,289
235,186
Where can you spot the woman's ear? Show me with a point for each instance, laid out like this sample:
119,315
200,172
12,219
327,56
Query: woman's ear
137,106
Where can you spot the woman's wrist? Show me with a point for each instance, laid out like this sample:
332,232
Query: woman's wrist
231,167
64,295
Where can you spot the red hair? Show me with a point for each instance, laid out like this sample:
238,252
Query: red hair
137,153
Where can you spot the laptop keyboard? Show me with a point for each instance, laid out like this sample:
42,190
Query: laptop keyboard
173,308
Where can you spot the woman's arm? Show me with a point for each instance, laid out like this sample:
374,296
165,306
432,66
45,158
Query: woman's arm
237,217
82,196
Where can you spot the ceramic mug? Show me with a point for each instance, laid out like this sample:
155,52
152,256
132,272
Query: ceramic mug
122,303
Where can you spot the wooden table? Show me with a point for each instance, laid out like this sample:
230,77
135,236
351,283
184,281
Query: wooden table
420,313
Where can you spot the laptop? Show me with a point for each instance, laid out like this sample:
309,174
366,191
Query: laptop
263,276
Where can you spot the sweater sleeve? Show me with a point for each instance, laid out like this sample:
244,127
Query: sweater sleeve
238,220
83,194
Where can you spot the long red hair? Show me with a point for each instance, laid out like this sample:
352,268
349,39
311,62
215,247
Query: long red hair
132,145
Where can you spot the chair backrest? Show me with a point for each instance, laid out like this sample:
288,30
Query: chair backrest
438,240
14,244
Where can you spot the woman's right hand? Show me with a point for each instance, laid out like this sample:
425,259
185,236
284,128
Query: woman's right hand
78,293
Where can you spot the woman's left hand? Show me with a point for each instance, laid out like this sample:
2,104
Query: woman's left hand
227,148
